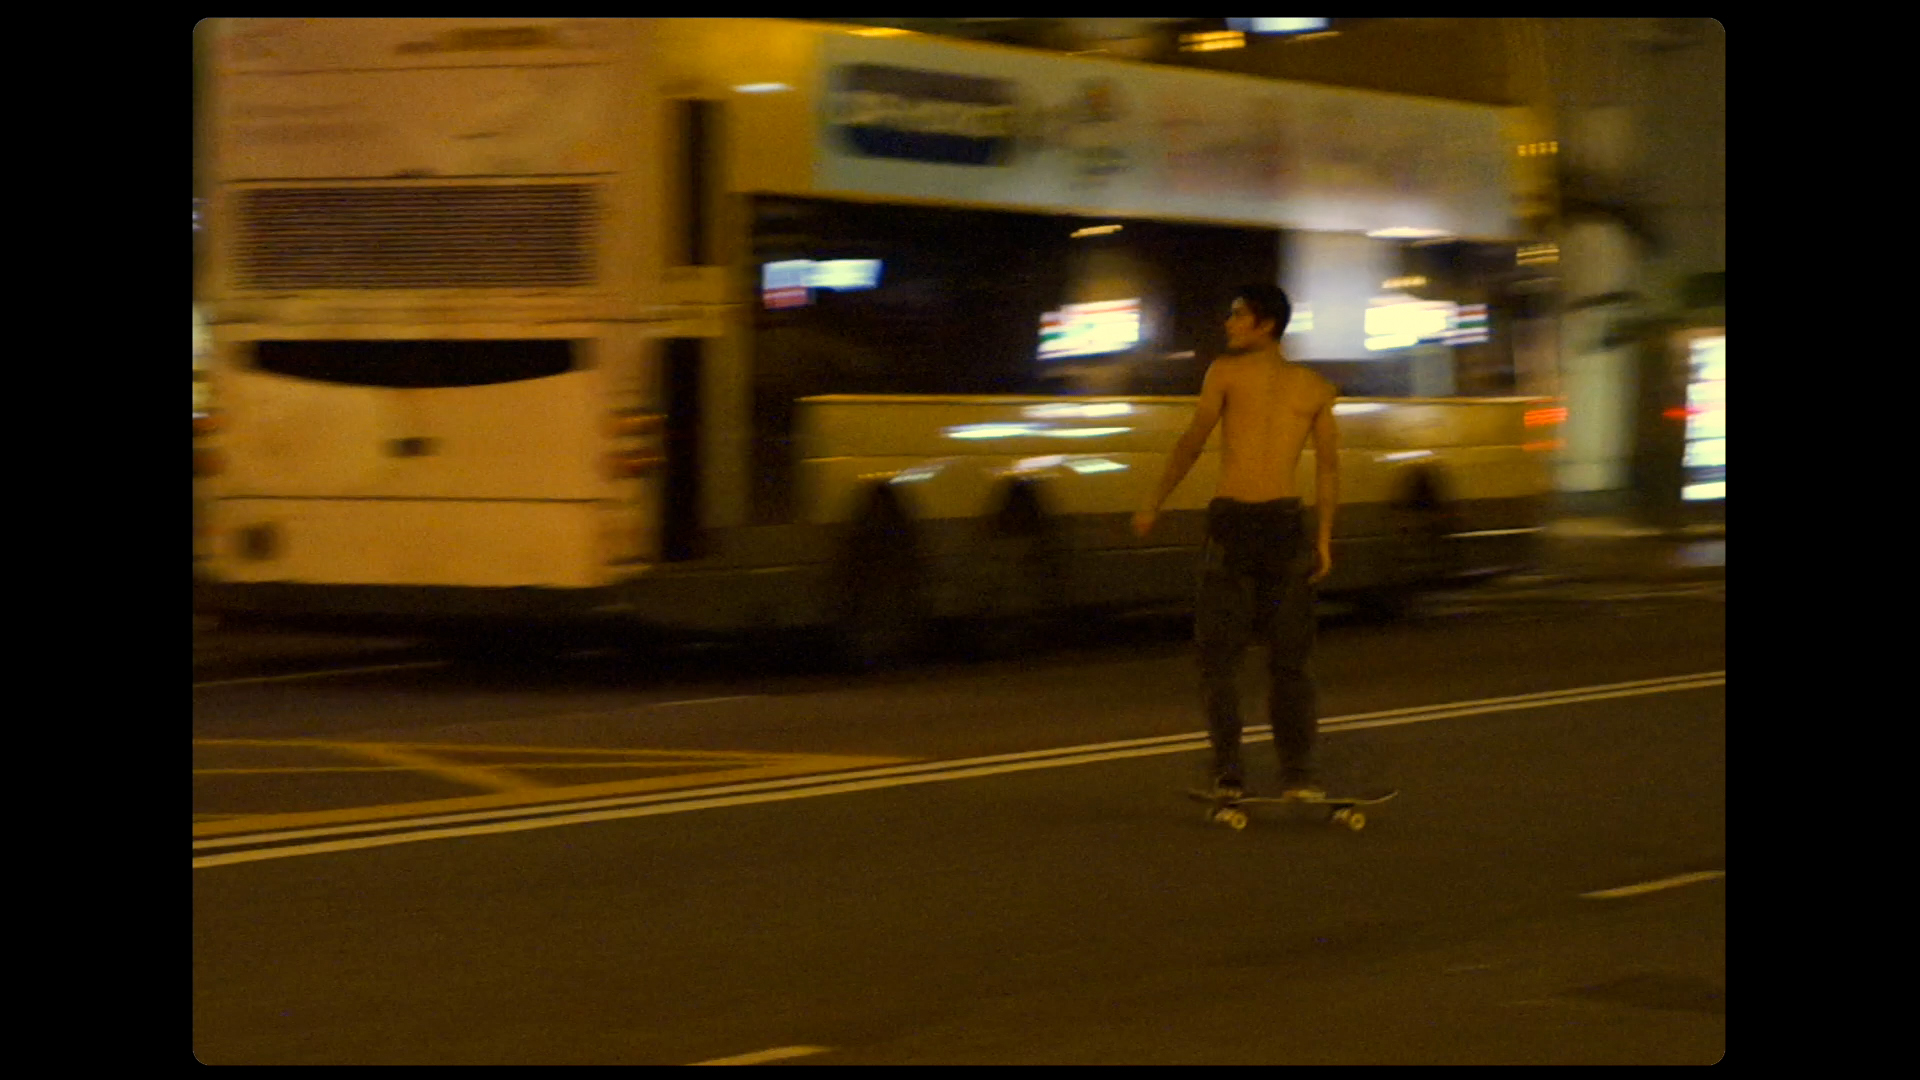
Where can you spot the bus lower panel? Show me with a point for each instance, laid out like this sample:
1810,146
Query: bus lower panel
395,607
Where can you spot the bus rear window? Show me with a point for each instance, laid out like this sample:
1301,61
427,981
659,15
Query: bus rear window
416,364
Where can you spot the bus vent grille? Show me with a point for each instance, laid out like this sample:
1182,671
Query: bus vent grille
475,237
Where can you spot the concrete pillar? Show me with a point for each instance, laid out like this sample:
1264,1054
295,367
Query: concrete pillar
1599,383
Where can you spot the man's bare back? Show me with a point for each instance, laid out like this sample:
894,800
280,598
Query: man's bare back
1270,408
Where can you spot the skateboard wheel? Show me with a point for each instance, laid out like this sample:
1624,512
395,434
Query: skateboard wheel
1356,820
1341,815
1235,819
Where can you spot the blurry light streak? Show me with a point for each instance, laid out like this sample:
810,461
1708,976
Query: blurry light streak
1405,455
1408,232
1280,26
1540,447
761,88
553,815
1095,230
1035,464
1542,417
1011,431
881,31
1085,466
1212,40
990,431
1702,492
1357,408
1098,408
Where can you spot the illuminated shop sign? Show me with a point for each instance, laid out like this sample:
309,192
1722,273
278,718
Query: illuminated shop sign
1399,323
1109,326
891,112
790,282
1706,412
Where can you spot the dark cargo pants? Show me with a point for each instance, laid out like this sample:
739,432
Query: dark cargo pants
1254,589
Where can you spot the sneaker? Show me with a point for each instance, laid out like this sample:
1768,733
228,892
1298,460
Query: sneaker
1227,789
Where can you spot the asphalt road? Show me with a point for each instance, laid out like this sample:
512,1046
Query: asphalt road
727,855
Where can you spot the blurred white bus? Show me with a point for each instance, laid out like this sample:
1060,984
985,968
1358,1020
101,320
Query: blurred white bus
718,324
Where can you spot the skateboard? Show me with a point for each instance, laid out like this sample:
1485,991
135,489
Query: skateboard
1345,808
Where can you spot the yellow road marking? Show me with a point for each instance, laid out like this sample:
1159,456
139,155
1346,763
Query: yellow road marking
470,775
778,1053
517,766
1655,886
735,755
772,766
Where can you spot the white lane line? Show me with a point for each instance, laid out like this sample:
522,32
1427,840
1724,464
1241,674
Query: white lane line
321,674
778,1053
1421,714
1654,886
555,815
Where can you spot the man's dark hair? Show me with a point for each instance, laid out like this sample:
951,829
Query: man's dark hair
1267,302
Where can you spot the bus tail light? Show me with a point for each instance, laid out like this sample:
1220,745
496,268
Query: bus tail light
1544,417
627,466
628,425
632,462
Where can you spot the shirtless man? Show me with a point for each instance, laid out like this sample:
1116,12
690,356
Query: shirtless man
1258,569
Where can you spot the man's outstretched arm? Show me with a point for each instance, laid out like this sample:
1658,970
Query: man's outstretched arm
1213,397
1326,491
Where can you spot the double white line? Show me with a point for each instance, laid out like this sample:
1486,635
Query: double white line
449,826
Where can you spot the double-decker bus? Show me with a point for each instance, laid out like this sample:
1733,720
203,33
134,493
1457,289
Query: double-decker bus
719,324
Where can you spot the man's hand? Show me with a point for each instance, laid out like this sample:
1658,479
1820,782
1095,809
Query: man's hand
1323,558
1143,522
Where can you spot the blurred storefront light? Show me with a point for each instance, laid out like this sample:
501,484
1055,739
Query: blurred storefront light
1307,27
1212,40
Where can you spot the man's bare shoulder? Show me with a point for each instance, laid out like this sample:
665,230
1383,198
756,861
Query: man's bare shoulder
1311,384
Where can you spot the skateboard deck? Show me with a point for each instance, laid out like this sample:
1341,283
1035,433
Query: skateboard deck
1344,808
